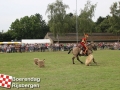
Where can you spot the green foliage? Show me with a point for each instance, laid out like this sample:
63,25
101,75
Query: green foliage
99,20
70,24
32,27
115,19
59,72
102,25
1,37
56,14
85,22
59,23
97,24
6,37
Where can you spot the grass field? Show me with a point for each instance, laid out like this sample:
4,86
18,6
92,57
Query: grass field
59,72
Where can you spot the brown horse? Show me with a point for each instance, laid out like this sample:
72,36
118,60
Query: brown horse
77,51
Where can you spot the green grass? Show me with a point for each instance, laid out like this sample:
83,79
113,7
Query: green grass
59,72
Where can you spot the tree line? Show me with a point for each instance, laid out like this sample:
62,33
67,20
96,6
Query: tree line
59,22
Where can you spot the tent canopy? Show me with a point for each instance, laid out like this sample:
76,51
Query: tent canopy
32,41
10,42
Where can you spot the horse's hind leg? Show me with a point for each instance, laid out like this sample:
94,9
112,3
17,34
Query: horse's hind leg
94,61
79,60
69,51
73,60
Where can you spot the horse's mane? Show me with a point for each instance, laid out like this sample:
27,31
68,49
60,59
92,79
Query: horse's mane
90,45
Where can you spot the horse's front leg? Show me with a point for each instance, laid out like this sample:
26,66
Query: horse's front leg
73,59
79,60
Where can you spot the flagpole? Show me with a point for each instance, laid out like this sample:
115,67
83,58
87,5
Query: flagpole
76,24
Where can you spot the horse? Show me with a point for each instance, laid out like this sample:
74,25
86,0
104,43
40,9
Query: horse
78,51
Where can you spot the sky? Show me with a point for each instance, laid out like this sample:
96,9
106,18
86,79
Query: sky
10,10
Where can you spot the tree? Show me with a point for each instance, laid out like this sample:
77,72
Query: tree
15,28
115,19
97,24
85,23
102,24
1,36
32,27
70,22
57,17
99,20
6,36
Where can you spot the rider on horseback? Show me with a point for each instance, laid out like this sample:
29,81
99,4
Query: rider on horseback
84,42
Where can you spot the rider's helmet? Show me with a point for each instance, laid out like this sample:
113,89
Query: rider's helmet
86,35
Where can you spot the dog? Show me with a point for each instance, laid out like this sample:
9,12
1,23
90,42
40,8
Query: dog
89,59
36,61
41,63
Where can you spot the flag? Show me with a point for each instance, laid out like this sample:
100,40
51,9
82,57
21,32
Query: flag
5,81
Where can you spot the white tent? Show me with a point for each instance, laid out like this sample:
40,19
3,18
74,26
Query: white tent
33,41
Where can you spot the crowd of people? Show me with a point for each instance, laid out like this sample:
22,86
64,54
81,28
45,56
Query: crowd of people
109,45
12,48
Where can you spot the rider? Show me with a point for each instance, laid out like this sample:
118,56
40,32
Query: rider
84,42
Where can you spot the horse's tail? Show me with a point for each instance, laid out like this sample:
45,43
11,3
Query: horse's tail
69,51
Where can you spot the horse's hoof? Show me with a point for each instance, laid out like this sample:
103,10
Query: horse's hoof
73,63
69,52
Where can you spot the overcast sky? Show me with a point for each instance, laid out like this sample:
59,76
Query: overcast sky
10,10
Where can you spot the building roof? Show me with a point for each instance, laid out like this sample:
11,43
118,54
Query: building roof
93,37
